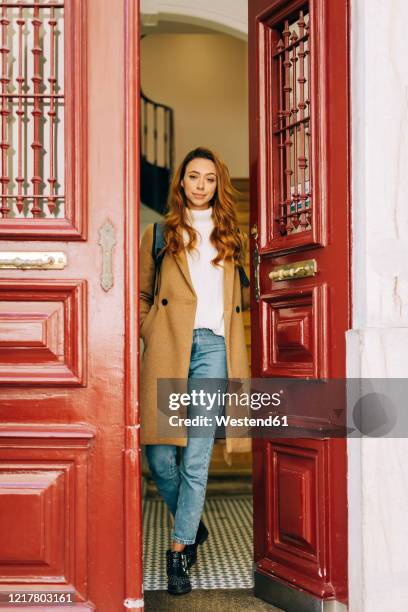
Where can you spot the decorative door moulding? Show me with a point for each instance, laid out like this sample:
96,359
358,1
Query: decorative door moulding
44,488
43,332
296,515
296,327
43,159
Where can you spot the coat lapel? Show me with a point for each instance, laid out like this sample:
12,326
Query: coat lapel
229,271
181,259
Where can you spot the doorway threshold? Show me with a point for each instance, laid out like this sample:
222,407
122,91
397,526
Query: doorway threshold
232,600
292,600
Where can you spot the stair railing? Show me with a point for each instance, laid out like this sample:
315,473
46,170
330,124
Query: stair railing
156,152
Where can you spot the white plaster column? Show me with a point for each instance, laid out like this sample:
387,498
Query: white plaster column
377,346
228,16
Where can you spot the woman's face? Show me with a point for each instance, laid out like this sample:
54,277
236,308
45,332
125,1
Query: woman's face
199,182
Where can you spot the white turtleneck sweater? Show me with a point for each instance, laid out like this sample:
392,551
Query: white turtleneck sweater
208,281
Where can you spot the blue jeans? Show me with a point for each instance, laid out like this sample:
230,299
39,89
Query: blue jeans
183,486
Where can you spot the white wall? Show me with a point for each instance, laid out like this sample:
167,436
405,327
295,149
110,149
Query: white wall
229,16
203,77
377,345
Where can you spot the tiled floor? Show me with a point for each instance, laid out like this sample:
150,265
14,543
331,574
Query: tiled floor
225,559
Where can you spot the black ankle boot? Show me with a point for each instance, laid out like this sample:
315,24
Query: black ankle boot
191,549
177,573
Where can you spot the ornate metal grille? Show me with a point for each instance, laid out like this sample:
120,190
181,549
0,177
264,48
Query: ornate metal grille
291,56
32,110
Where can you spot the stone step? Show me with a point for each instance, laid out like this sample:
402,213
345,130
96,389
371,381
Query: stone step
202,600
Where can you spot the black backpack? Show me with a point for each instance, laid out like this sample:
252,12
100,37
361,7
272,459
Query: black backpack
159,243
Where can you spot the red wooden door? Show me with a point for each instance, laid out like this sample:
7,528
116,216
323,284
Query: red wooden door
298,71
69,503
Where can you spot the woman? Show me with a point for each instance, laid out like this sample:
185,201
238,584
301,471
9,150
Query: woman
192,327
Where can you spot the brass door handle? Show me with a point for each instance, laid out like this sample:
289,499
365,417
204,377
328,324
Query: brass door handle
297,269
13,260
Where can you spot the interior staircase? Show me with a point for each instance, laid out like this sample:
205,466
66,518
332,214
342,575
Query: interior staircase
156,152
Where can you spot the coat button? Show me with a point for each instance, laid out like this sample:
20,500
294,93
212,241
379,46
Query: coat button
164,302
238,309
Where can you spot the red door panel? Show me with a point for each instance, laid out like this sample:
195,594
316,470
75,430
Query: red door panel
296,539
44,332
299,155
294,331
44,520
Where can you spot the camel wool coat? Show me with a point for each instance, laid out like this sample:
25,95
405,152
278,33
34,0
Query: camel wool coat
166,328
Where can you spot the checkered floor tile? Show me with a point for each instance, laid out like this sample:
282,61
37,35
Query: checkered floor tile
224,560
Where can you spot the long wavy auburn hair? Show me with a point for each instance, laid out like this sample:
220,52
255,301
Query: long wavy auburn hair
226,238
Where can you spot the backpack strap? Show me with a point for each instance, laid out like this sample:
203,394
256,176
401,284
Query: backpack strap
157,245
243,277
158,241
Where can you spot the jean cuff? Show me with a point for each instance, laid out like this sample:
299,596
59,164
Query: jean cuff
181,540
